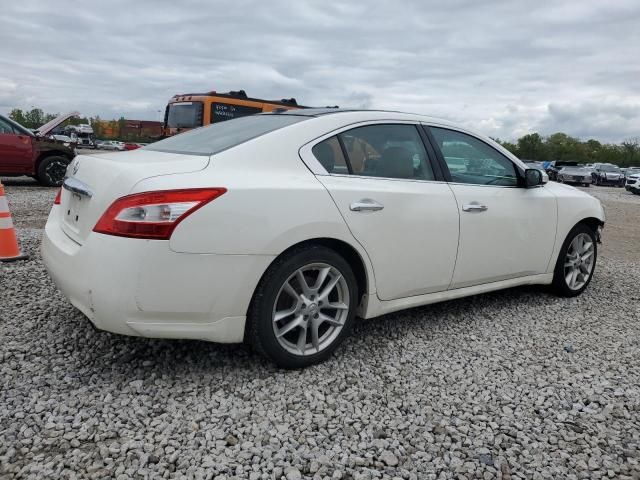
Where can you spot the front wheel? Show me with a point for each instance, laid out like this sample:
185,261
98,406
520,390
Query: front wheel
52,170
576,262
303,308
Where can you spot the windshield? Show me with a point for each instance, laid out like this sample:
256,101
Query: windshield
220,136
610,168
184,115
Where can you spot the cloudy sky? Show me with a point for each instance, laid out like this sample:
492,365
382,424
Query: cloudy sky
505,68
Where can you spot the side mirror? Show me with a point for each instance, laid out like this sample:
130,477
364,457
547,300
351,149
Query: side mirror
534,177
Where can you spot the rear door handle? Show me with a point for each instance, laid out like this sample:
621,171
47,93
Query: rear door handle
474,207
365,205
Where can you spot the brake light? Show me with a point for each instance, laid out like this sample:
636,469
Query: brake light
153,215
56,201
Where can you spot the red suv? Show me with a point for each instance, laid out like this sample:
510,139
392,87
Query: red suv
23,152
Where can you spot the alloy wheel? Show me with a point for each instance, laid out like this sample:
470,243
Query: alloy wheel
578,263
311,309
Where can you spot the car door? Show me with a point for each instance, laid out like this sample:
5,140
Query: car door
16,149
382,180
506,230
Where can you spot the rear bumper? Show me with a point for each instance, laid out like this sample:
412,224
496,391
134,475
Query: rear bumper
142,288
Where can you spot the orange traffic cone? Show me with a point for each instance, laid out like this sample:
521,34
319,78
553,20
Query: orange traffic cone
9,249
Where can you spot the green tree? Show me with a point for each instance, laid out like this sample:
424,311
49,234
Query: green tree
631,151
531,147
17,115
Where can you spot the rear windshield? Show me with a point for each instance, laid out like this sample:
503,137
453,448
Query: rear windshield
217,137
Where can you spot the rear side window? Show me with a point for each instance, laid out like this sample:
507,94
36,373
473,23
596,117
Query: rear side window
217,137
329,154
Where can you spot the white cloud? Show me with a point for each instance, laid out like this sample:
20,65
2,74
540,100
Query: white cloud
505,68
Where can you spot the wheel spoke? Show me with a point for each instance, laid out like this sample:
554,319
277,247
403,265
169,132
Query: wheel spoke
302,339
284,313
296,322
303,283
315,323
291,291
329,320
322,276
330,286
588,254
336,306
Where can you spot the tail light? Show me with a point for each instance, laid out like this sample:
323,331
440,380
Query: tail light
56,201
153,215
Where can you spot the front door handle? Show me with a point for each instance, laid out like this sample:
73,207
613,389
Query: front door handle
365,205
474,207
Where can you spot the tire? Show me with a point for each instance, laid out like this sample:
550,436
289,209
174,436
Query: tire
51,170
272,297
561,285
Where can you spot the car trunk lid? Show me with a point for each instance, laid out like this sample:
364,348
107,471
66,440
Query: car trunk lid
95,181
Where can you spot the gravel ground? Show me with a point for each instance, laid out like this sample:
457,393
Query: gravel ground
513,384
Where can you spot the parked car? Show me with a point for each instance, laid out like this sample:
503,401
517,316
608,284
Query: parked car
131,146
630,171
111,145
633,183
555,166
575,175
607,174
278,229
23,152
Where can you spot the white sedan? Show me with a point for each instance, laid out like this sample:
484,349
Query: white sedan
279,229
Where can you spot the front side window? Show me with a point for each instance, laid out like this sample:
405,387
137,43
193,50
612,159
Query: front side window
472,161
386,151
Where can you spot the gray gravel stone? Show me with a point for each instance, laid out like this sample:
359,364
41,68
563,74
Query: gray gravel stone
481,387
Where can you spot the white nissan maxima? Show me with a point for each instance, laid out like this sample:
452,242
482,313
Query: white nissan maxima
279,229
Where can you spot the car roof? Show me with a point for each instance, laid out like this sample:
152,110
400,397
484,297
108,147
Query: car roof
319,112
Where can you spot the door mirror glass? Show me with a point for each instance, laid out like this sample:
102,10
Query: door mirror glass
533,177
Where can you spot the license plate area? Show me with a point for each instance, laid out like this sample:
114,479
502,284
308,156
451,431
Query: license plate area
74,211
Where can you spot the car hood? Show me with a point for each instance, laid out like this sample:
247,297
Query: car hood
49,126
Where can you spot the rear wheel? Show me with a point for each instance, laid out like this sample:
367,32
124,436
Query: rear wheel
303,307
576,262
52,170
